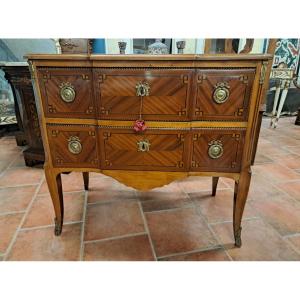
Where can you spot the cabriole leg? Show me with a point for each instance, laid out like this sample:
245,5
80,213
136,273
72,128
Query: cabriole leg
86,180
214,185
55,189
241,189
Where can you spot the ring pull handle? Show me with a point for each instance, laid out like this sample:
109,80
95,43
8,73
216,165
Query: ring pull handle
67,92
221,92
143,146
74,145
215,149
142,89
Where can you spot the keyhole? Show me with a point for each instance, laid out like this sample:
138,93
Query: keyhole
143,147
142,91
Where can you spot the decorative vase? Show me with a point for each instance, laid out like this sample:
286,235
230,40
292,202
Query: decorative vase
158,47
122,47
180,46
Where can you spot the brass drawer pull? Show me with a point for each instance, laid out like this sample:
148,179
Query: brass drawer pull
143,146
215,149
67,92
221,92
74,145
142,89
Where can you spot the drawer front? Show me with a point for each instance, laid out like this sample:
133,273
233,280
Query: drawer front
73,146
168,99
153,150
67,93
217,150
223,94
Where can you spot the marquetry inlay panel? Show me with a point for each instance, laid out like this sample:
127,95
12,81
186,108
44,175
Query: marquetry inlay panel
168,99
237,83
59,139
79,80
232,147
120,149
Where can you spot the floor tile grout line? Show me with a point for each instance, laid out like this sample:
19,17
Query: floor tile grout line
81,254
12,212
216,237
297,234
48,226
169,210
7,167
209,190
25,185
68,192
199,250
292,245
264,220
110,201
285,192
225,183
147,230
260,216
283,238
23,219
22,167
230,221
19,185
118,237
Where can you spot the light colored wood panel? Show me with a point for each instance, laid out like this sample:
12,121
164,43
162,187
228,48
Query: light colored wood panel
150,124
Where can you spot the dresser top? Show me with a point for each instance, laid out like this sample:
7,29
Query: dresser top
141,57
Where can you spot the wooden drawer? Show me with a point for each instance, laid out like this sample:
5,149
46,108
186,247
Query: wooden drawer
223,94
168,99
73,146
67,92
152,150
217,150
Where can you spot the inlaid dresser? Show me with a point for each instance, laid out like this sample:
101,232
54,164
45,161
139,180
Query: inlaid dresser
149,120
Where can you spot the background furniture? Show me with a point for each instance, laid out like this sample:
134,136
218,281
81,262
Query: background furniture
9,116
76,46
18,76
284,77
150,119
297,121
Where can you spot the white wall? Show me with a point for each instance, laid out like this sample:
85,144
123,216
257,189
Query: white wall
20,47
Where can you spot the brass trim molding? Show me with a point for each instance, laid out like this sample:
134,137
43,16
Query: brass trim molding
150,124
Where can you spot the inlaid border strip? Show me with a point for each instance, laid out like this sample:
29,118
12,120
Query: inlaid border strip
150,124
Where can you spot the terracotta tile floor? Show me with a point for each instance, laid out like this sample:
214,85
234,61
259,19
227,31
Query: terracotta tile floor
180,221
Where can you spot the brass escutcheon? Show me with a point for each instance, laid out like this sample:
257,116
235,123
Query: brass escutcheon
143,146
221,92
215,149
67,92
74,145
142,89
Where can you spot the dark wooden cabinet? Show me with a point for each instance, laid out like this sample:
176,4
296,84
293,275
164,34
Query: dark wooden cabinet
19,77
201,114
